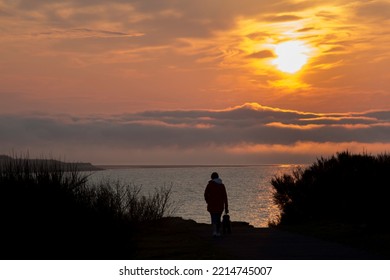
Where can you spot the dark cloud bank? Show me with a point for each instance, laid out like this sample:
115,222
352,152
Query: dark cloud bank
181,130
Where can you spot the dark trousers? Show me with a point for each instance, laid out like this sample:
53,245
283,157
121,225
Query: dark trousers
216,220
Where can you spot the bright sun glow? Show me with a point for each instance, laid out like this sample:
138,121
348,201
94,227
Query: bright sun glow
291,56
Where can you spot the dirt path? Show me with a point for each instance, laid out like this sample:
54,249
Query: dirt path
272,244
175,238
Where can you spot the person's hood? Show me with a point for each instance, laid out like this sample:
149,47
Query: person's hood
217,180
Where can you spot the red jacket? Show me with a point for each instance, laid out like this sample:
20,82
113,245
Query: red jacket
216,197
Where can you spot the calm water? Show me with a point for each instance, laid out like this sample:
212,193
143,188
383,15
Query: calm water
248,187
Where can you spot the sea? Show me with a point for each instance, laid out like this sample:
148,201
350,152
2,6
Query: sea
249,189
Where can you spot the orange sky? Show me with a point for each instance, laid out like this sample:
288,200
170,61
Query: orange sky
96,60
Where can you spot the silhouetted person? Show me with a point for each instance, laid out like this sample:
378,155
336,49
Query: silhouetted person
217,201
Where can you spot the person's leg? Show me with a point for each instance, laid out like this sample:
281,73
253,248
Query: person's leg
213,223
219,224
216,223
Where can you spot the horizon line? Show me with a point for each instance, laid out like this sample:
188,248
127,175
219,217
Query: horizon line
191,165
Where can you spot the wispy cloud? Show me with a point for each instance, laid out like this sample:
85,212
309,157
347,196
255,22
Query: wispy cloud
281,18
82,33
261,54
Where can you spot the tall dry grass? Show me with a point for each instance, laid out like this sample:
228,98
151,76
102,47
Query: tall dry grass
49,210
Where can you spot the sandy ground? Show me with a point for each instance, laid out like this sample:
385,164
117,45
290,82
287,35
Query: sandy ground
175,238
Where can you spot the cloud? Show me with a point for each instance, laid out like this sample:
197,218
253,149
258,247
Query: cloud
163,21
261,54
374,10
281,18
4,13
306,29
336,50
82,33
242,131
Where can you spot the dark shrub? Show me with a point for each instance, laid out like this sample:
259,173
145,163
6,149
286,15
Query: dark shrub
348,188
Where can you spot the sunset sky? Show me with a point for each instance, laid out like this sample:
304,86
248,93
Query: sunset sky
194,82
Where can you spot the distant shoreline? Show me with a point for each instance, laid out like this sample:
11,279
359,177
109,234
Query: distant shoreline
66,166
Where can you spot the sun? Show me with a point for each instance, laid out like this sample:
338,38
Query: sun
291,56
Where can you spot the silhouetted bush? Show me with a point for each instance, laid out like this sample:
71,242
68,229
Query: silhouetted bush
126,203
48,210
346,188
